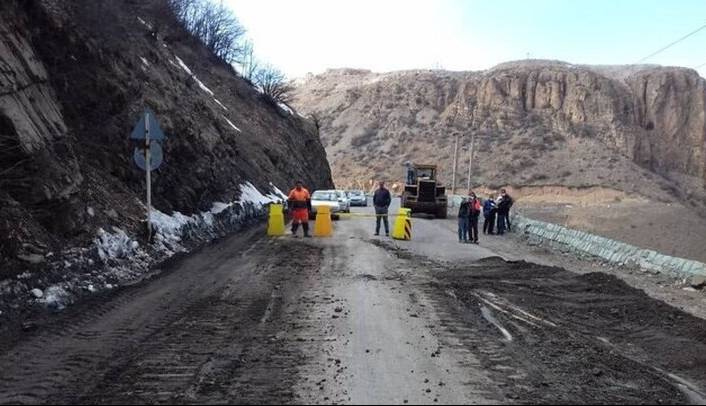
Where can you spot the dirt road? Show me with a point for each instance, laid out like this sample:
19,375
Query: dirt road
360,319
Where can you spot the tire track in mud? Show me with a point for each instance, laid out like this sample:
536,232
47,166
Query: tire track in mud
228,341
546,335
556,356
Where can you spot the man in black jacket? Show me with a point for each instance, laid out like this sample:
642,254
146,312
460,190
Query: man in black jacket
463,212
505,202
381,201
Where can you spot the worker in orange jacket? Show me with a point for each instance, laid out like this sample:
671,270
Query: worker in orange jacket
299,203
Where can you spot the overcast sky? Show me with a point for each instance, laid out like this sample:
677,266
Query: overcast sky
301,36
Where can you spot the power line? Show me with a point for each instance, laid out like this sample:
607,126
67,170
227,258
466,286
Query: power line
672,44
702,65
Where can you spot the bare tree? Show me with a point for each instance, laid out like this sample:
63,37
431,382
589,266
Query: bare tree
181,8
273,84
214,24
249,64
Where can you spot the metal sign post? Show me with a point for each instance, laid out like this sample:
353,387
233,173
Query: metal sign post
148,155
148,176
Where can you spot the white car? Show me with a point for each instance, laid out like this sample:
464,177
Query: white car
344,201
358,198
328,198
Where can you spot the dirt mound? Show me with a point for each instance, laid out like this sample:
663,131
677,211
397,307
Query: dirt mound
591,336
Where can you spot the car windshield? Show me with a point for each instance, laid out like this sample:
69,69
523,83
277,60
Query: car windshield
326,196
356,193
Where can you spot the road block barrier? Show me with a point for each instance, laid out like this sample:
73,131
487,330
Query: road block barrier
403,225
275,223
323,226
363,215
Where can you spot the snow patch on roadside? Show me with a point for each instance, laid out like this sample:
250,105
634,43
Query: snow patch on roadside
278,192
250,194
168,228
219,207
114,245
56,298
116,258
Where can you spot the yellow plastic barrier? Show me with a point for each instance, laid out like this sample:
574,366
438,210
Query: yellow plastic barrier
403,225
275,226
323,226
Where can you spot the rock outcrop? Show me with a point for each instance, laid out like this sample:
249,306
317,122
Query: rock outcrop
640,129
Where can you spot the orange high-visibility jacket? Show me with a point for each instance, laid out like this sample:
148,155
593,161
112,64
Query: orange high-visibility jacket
299,199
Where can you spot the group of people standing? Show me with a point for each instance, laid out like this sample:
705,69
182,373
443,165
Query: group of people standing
299,201
496,212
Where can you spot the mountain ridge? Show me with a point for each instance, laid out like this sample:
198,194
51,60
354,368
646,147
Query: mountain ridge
641,128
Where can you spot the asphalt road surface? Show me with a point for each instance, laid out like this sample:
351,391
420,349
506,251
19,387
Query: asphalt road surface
364,320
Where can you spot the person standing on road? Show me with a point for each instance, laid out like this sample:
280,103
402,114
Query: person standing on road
510,201
505,202
490,211
381,201
474,209
409,173
299,204
463,212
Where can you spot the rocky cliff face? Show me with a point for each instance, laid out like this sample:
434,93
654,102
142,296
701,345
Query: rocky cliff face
75,77
534,123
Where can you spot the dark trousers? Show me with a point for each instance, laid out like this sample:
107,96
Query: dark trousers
381,213
489,224
295,227
501,223
463,228
473,229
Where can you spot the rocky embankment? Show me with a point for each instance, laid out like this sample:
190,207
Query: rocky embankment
72,85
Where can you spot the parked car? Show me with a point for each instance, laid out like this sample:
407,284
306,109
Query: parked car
344,201
328,198
358,198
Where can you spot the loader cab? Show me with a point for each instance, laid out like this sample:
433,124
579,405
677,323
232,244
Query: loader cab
422,192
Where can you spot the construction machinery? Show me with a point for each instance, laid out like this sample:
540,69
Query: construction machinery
422,192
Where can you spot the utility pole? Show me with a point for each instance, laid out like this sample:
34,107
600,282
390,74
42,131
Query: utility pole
470,159
455,167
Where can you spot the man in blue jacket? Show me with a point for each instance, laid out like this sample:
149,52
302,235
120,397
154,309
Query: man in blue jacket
381,201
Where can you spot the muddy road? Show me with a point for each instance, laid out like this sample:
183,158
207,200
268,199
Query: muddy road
360,319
